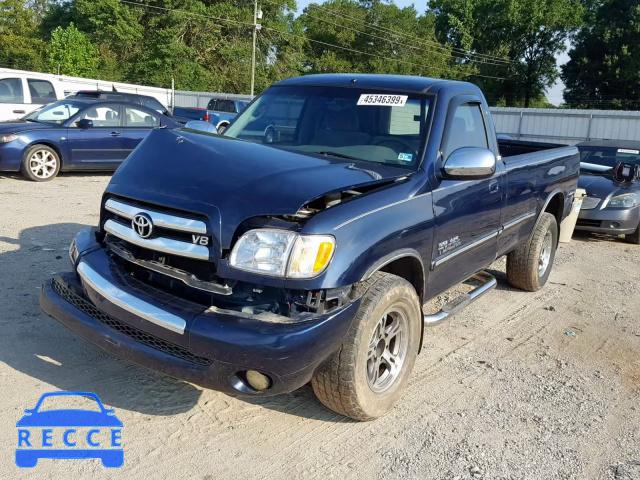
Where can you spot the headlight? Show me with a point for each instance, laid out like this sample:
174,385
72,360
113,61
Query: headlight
8,138
624,201
282,253
311,255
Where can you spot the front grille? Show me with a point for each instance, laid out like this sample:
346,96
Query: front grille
138,335
589,203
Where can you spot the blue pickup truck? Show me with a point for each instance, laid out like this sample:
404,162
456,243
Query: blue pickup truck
220,112
261,265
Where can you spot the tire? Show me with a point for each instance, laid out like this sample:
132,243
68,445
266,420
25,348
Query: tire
40,163
524,265
633,237
270,135
347,383
222,127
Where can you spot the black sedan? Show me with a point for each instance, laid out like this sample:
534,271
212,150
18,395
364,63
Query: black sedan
611,206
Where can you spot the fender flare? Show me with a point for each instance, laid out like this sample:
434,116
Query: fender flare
546,204
395,255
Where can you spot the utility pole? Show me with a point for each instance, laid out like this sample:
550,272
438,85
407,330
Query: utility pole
256,26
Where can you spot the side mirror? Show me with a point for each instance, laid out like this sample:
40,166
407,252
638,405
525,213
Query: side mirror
468,163
85,123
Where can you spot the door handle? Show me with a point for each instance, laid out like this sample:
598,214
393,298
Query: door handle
115,134
494,186
19,111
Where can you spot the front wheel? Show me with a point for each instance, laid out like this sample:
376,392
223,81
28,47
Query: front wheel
633,237
40,163
529,266
366,376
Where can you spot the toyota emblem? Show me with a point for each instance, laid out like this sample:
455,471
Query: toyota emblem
142,225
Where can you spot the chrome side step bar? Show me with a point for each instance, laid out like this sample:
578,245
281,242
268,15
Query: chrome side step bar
463,301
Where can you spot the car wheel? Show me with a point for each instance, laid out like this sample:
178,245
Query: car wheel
270,135
366,376
633,237
40,163
222,127
529,266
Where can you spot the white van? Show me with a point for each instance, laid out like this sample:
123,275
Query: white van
23,92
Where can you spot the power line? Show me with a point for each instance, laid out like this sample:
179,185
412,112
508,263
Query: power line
435,44
303,38
443,53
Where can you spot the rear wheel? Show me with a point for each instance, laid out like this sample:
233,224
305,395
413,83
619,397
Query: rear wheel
365,378
529,266
633,237
40,163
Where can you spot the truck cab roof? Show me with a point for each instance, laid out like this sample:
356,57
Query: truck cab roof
410,84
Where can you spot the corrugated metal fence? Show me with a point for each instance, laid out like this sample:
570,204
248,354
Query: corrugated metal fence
201,99
566,126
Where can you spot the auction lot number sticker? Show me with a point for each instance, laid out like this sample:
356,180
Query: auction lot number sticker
384,100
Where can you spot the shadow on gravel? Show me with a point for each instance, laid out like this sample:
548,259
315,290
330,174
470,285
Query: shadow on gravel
588,237
301,403
40,347
61,175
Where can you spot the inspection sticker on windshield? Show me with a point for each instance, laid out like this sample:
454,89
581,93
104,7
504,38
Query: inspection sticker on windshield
626,150
384,100
405,157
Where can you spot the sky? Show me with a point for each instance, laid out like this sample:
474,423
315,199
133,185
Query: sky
554,94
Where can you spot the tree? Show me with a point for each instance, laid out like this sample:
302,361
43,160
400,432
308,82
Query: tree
375,37
517,40
604,64
20,45
73,52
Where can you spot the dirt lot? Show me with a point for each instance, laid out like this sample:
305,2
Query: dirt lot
520,386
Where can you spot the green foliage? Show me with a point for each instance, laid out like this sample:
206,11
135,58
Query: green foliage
604,66
529,34
73,52
20,45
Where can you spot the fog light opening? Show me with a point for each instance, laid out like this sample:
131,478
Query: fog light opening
615,225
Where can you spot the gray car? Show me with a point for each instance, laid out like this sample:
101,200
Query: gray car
610,207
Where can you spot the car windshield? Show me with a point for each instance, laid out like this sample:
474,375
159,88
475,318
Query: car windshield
55,113
354,123
68,402
601,160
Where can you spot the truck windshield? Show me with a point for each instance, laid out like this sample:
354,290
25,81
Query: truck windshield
353,123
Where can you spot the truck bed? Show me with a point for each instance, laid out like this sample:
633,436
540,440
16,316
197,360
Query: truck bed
512,148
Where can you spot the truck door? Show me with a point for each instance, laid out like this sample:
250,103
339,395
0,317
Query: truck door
467,212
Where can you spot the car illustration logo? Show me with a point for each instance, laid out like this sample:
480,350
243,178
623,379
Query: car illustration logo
69,433
142,225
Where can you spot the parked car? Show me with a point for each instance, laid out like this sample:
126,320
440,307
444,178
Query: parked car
21,93
611,206
75,135
257,267
220,112
145,100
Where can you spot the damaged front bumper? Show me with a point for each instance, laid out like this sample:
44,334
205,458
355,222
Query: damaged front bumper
210,347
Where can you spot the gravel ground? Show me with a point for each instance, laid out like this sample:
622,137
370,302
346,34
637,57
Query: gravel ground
519,386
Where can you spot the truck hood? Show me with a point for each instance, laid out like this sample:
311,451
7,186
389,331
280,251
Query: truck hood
17,126
231,180
602,186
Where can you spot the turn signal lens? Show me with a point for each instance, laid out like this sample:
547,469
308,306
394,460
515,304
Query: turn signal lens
311,255
8,138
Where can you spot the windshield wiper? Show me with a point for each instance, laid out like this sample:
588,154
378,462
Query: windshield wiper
337,155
